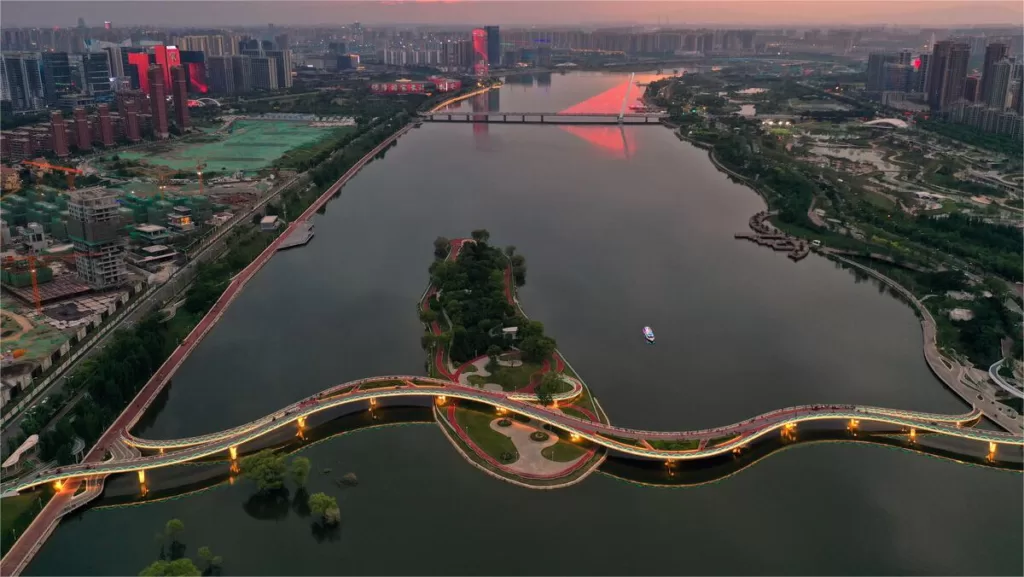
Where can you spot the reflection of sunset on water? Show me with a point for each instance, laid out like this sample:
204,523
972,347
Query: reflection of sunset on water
614,139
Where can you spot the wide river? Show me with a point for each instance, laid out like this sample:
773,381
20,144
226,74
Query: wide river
621,229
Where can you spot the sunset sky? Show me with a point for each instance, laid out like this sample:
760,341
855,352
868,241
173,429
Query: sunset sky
503,12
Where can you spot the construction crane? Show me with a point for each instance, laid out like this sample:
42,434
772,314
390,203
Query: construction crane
200,165
70,172
33,260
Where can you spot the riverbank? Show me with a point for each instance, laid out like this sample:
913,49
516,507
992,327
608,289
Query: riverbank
31,540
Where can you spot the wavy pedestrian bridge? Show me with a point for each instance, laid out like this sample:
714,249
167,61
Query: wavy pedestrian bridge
630,442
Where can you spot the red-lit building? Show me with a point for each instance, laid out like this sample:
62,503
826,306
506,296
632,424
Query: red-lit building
131,120
167,57
140,60
179,91
83,135
158,101
480,65
106,126
445,84
59,134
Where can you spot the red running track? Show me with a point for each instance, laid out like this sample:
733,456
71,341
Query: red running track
31,540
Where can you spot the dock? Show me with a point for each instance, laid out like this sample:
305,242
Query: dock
302,234
767,235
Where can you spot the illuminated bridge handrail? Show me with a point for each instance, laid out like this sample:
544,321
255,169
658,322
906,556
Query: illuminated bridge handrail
502,112
591,431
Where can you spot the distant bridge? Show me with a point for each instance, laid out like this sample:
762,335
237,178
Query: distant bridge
651,118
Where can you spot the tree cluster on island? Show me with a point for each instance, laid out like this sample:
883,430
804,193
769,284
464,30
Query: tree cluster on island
472,298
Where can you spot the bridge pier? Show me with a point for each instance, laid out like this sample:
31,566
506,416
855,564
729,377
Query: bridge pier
913,434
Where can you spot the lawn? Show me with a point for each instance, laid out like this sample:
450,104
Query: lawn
17,512
574,413
510,378
477,425
563,452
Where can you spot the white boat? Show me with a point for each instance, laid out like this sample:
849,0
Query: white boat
649,335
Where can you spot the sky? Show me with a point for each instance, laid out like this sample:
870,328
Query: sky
681,13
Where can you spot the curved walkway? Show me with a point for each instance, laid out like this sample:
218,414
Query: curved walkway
624,440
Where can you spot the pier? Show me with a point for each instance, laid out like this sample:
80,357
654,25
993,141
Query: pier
766,235
647,118
302,234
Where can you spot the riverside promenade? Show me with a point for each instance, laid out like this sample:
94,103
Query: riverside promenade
46,521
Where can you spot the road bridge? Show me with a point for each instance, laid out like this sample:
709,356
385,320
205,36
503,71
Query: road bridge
623,440
580,118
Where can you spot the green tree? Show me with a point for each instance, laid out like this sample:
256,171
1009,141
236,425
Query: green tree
537,348
173,529
481,235
441,246
326,506
510,250
427,316
267,468
178,567
211,561
493,352
300,470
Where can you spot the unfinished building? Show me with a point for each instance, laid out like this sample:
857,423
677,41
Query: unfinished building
93,223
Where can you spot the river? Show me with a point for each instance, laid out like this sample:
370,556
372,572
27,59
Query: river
621,228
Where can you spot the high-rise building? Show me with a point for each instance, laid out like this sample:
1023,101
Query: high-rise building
971,88
179,91
876,70
221,72
994,53
131,120
282,65
241,70
194,63
264,73
93,222
21,80
480,64
83,135
898,77
56,76
923,70
59,134
96,68
158,101
106,125
948,73
493,45
998,83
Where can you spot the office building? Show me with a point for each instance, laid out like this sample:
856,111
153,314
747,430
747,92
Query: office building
179,91
158,101
948,74
93,222
994,54
221,74
56,76
96,70
83,135
106,125
493,45
22,81
264,73
241,70
59,134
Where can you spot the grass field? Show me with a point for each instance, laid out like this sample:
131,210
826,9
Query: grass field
248,146
510,378
477,424
563,452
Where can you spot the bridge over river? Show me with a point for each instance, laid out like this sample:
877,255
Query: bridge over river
632,442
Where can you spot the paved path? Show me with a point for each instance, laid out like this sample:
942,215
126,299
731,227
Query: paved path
28,544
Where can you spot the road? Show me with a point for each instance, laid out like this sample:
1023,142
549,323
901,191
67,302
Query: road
35,535
177,282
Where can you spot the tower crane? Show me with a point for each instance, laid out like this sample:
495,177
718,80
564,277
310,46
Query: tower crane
33,260
70,172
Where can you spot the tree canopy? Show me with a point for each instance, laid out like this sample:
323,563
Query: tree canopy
267,468
182,567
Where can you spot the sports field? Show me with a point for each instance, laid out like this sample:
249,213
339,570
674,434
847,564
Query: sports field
248,145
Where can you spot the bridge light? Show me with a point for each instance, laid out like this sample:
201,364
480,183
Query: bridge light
913,434
440,400
301,421
58,486
373,402
142,476
234,453
991,449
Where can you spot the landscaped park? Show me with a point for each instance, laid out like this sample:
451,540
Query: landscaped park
479,336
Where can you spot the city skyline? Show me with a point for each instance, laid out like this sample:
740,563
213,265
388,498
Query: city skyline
758,13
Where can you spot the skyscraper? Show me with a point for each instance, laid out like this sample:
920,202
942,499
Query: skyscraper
923,70
179,90
948,74
241,71
999,82
221,72
56,76
59,134
97,73
158,101
876,70
493,45
106,126
282,66
994,53
83,135
22,80
971,88
264,73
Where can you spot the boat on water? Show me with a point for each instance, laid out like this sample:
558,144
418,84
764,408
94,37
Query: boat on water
649,335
